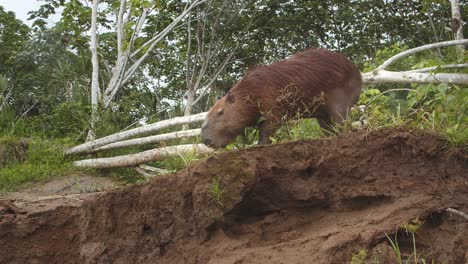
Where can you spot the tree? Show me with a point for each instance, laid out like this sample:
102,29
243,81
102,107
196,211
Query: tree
456,25
95,76
129,56
209,45
13,38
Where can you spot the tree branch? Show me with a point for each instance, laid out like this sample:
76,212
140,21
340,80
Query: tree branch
445,67
383,76
419,49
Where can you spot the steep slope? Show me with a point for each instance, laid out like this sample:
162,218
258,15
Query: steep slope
314,201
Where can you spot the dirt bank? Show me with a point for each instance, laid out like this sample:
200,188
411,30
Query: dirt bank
314,201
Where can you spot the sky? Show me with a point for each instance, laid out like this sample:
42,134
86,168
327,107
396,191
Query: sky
22,7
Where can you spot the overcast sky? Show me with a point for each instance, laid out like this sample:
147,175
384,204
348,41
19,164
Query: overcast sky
21,8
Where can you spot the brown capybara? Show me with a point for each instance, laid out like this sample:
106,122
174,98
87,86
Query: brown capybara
314,83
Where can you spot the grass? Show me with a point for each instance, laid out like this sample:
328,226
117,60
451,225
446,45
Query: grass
361,257
410,227
216,191
44,159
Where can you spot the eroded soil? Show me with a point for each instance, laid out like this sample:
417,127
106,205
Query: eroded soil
314,201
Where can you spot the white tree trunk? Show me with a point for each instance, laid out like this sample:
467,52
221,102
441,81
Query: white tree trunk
458,22
383,76
90,146
150,139
95,74
142,157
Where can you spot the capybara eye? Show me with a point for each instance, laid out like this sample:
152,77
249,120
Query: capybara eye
220,112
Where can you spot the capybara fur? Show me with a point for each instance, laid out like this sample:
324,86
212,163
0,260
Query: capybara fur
315,83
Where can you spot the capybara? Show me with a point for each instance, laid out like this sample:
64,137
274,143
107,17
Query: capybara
314,83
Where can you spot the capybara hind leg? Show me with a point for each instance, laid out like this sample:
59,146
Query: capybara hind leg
266,130
326,124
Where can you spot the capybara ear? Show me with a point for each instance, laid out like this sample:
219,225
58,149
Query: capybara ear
219,97
230,98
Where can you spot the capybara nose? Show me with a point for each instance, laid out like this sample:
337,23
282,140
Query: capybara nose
207,142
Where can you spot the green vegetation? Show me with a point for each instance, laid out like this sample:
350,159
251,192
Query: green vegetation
411,227
43,159
216,191
362,256
45,72
359,258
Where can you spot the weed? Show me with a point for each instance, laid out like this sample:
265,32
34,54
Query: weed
412,227
215,191
359,258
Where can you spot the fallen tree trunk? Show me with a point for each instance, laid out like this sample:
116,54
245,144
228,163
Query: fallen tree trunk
90,146
142,157
150,139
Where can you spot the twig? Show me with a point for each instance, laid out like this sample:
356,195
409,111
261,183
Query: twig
454,211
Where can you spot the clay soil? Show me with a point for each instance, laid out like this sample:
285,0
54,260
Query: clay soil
316,201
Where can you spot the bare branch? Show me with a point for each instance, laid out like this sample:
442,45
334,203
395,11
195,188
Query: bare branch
139,25
169,28
419,49
213,78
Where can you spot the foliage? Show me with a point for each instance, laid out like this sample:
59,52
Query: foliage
44,160
299,129
440,108
124,176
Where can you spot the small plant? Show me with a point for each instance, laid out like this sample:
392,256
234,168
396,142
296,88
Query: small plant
215,191
360,257
411,227
395,247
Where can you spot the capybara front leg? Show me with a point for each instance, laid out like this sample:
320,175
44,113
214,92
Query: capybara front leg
266,130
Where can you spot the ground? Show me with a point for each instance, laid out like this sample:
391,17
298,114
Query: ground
316,201
71,184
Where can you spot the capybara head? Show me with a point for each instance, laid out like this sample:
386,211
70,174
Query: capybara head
226,120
